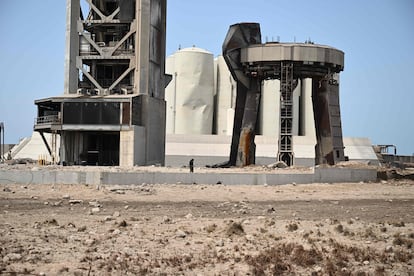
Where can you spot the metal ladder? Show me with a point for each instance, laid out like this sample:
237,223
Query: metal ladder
286,114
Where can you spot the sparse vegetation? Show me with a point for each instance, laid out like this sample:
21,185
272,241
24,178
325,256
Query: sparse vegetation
190,238
292,227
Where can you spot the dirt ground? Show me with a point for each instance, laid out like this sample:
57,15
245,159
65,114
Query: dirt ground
314,229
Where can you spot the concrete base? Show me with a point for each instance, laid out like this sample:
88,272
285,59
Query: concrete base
100,177
132,147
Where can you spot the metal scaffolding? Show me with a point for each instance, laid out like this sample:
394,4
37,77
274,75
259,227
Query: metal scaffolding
286,113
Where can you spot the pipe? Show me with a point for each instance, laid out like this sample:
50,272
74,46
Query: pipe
2,142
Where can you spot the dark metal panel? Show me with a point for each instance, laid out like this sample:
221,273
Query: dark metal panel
156,15
136,111
91,113
72,113
126,113
110,113
127,10
240,36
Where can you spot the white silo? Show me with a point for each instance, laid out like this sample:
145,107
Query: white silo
306,110
269,111
194,91
226,91
170,94
270,108
296,103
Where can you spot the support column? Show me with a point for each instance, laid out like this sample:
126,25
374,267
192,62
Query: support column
237,125
247,148
325,98
72,46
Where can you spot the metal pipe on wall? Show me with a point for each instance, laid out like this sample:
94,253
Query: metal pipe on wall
2,142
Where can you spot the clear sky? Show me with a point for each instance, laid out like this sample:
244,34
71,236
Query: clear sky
377,36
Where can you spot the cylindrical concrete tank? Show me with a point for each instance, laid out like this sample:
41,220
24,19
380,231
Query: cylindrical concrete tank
296,113
226,91
194,91
306,119
170,92
270,108
270,105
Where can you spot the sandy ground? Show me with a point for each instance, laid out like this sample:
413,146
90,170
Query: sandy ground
314,229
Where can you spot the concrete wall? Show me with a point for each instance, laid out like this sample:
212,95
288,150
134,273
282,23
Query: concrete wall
208,150
320,175
150,112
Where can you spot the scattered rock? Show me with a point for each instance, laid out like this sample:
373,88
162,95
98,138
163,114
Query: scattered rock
116,214
180,234
366,262
166,220
51,222
75,201
116,232
318,269
12,257
94,204
123,224
89,242
220,243
82,228
278,165
389,249
211,228
189,216
95,210
66,197
249,238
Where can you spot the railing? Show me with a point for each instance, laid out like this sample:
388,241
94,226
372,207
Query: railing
50,119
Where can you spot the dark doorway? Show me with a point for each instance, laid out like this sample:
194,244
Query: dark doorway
102,149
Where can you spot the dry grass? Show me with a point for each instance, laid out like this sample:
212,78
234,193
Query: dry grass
281,259
234,228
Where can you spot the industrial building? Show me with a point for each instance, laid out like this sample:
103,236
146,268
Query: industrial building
274,89
119,107
112,111
201,100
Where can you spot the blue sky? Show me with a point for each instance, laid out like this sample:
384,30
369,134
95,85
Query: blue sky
377,36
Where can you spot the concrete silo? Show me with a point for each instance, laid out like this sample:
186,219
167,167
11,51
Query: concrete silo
270,108
226,89
190,97
170,94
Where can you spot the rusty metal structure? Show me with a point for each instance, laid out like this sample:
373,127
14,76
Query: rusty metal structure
112,111
251,62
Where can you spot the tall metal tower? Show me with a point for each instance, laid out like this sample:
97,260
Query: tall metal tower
112,111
